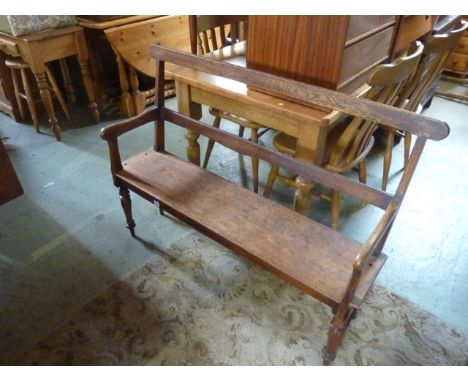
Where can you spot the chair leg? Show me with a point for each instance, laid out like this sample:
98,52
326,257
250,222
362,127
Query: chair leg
241,131
387,160
363,176
335,207
19,100
407,148
336,333
57,91
271,181
254,139
211,142
127,207
30,99
362,172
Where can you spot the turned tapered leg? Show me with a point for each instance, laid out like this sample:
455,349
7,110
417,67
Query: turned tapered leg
70,90
127,207
335,207
47,100
336,332
88,85
387,159
254,138
57,91
211,142
407,147
19,100
30,99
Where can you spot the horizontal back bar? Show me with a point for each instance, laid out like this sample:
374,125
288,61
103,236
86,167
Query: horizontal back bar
299,167
386,115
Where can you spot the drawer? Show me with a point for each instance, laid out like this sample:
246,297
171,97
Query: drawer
458,62
462,46
361,26
365,54
9,47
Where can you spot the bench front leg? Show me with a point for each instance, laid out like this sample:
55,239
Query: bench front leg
127,207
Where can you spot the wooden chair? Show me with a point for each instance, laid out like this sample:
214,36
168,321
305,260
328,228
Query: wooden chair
24,89
323,263
349,142
210,33
437,50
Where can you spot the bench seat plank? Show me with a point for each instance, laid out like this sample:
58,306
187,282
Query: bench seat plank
305,253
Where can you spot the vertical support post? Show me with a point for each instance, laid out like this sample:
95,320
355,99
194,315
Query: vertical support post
159,136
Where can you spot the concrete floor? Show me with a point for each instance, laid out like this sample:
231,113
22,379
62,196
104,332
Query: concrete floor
64,241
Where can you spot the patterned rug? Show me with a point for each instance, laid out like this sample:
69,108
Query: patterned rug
198,304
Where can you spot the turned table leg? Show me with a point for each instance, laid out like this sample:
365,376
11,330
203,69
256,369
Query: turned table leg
82,51
310,147
88,84
192,147
193,110
71,96
302,195
44,91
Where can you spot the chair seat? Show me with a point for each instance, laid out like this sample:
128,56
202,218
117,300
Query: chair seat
16,63
233,118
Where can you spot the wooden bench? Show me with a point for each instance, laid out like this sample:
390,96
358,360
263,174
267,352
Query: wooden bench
316,259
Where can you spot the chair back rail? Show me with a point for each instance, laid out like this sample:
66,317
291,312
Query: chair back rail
375,112
437,50
386,81
210,32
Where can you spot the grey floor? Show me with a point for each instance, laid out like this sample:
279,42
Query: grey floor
64,241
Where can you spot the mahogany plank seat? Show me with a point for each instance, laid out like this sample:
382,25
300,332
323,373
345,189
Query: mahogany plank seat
314,258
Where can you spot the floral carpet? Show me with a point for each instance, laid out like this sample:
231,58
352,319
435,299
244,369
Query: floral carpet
199,304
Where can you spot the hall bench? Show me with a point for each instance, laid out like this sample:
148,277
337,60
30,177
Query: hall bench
323,263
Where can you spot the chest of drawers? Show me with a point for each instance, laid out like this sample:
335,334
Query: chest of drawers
336,52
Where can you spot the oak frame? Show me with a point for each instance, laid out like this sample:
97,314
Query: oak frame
425,128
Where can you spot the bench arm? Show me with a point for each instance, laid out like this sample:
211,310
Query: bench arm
376,237
113,131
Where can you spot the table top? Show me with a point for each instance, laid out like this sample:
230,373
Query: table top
236,55
42,35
